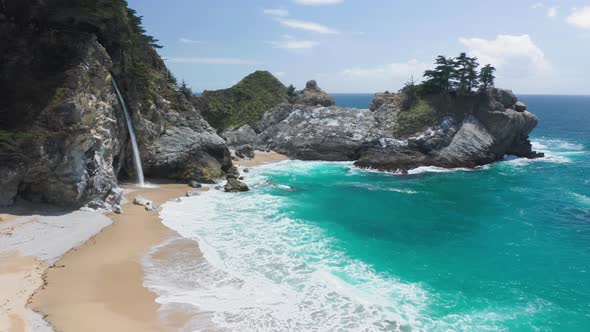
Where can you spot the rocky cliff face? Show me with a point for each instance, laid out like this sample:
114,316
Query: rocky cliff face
445,131
63,137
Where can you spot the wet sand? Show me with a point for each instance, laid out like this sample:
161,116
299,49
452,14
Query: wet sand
262,158
99,286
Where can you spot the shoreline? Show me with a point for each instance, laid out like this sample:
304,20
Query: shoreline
98,281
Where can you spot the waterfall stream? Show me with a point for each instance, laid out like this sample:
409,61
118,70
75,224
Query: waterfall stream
136,159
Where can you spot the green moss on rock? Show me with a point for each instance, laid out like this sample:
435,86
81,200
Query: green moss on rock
418,117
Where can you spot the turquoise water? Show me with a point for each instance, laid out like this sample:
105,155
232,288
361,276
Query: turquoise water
325,246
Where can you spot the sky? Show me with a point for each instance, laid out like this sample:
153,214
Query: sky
366,46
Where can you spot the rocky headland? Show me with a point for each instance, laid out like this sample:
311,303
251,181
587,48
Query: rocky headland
437,130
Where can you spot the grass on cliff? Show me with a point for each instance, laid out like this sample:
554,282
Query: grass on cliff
419,116
245,102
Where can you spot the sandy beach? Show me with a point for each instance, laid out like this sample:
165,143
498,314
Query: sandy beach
261,158
99,286
94,281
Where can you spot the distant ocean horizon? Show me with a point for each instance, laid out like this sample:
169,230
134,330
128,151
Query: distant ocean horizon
326,246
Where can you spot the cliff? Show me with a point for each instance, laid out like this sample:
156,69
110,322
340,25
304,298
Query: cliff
63,135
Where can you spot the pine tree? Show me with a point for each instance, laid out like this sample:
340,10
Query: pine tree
185,90
486,76
465,73
291,91
439,79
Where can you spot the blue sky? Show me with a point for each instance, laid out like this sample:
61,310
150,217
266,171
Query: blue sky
371,45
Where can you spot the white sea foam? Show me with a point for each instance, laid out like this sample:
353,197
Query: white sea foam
555,150
582,199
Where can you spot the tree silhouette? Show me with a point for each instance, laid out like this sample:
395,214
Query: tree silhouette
185,90
291,91
465,73
486,76
439,79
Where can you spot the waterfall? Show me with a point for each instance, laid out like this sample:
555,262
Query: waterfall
136,159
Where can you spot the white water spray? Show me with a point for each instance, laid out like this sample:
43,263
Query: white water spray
136,159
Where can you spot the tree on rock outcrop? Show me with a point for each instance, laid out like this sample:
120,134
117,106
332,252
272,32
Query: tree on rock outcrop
439,79
465,73
486,76
291,91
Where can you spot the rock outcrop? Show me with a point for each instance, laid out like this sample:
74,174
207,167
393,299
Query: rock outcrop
63,136
385,101
312,95
459,131
243,103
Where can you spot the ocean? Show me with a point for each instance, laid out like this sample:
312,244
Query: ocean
323,246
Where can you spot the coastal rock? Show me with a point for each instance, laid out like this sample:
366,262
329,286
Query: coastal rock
385,102
325,133
245,151
146,203
194,184
520,106
234,185
503,96
241,136
117,209
312,95
465,131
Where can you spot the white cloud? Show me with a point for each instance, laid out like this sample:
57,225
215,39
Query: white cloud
552,12
212,61
309,26
513,56
399,70
188,41
318,2
580,18
294,44
538,5
276,12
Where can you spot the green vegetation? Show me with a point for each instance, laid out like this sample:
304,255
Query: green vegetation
419,116
58,97
458,75
141,72
486,76
291,91
185,90
245,102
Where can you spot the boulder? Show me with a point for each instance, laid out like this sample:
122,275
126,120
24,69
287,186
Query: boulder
241,136
245,151
503,96
139,200
194,184
312,95
520,106
234,185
